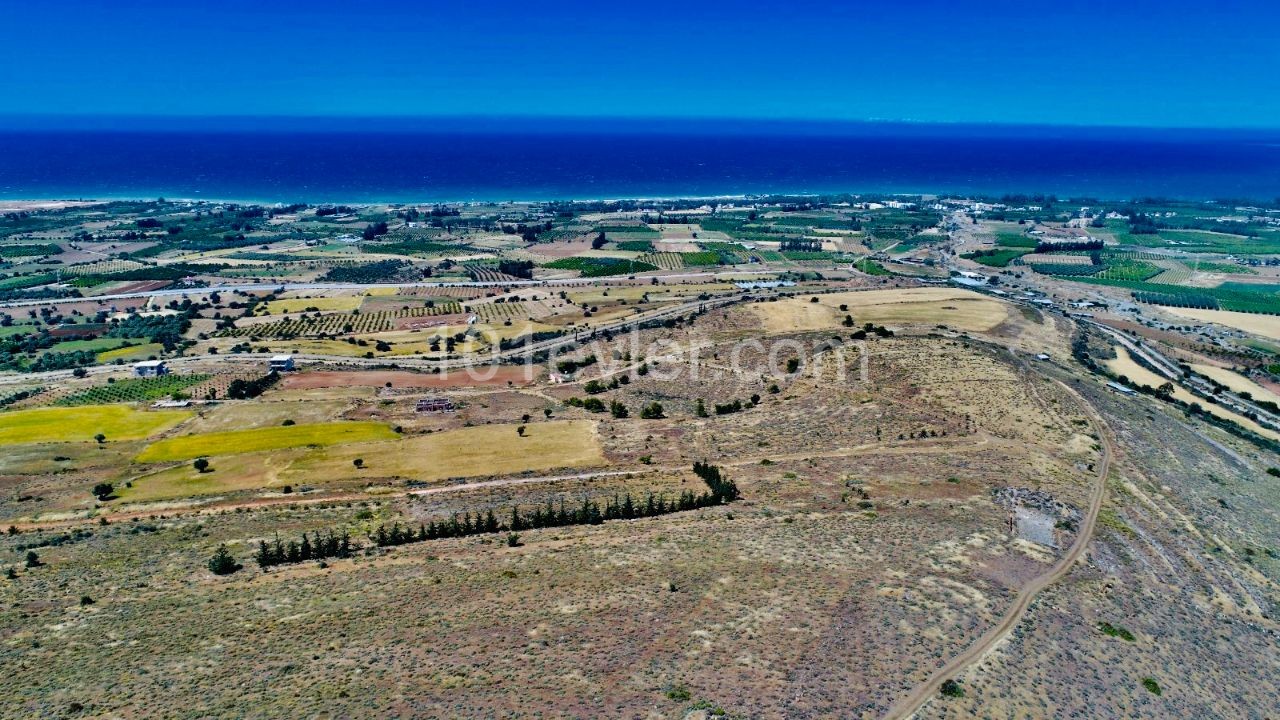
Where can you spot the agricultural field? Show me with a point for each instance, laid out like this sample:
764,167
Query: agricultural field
999,257
803,495
83,424
315,304
187,447
925,306
131,390
342,322
590,267
1267,326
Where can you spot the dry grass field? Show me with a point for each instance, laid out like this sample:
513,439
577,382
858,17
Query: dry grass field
1267,326
958,309
1236,382
1123,364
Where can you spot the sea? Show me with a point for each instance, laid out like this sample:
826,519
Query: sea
365,161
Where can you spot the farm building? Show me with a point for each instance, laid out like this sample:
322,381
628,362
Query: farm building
1117,387
150,368
435,404
280,363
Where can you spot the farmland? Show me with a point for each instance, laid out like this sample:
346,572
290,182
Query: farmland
919,470
590,267
133,390
186,447
82,424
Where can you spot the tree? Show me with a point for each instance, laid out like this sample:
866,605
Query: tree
700,410
652,411
520,430
618,410
100,438
222,563
201,464
599,241
358,462
33,560
103,491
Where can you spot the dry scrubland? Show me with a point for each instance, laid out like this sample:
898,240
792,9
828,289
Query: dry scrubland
1180,564
866,550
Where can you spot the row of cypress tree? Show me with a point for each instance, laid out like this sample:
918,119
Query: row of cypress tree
309,548
720,490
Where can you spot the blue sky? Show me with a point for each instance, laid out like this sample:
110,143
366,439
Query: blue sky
1172,63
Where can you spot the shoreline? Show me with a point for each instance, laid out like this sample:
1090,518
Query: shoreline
994,195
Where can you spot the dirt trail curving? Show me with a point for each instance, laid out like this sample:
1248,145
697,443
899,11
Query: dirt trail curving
926,691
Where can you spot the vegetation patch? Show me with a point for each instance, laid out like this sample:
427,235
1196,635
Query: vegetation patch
133,390
235,442
84,424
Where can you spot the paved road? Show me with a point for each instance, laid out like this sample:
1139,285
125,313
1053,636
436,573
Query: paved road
926,691
179,292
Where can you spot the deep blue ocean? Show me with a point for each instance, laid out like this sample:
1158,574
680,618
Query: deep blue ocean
348,163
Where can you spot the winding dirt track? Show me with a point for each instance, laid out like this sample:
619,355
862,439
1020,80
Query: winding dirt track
926,691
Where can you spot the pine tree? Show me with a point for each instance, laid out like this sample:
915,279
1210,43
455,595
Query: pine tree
263,556
222,563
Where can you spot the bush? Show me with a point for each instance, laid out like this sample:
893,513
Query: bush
652,411
222,563
1114,631
679,693
951,688
103,491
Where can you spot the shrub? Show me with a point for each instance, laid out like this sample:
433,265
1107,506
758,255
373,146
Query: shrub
652,411
222,563
951,688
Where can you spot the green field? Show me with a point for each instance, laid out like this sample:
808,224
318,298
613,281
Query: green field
995,258
80,424
132,352
235,442
1006,238
600,267
1239,297
133,390
102,344
641,246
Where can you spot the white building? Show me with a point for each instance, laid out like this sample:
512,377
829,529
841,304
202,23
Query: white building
150,368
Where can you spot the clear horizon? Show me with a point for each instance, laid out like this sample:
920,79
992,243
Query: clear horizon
1142,64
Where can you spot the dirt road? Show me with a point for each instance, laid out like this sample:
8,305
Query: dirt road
928,690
